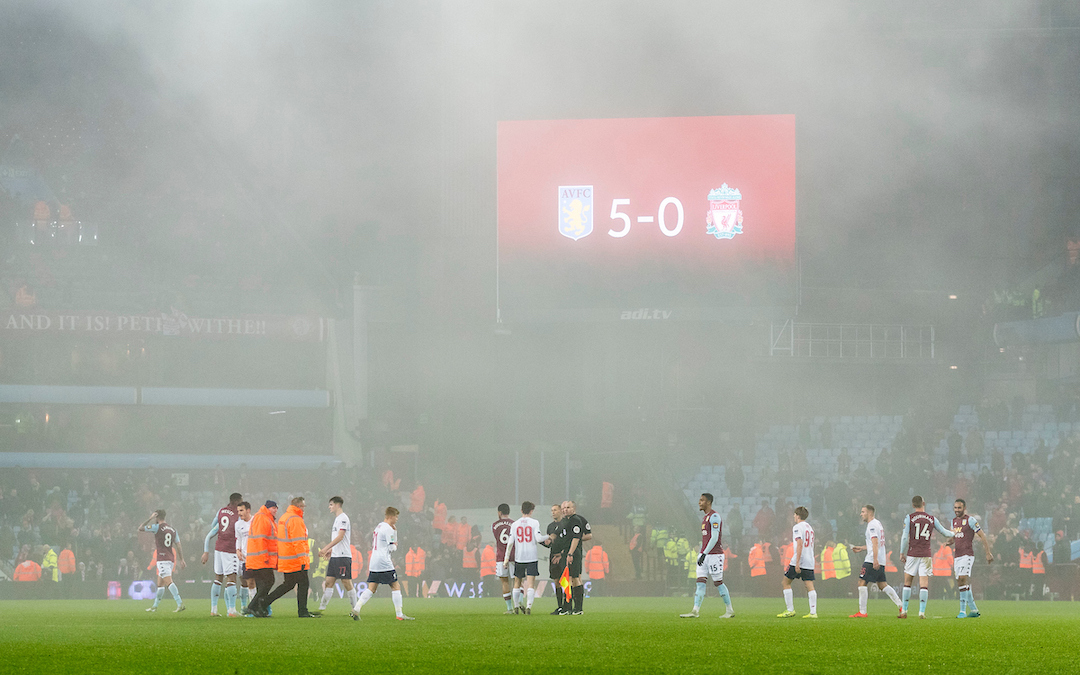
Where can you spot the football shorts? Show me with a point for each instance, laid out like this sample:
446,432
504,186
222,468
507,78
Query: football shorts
504,570
339,568
529,569
962,565
871,575
164,568
919,567
713,567
804,573
382,577
226,563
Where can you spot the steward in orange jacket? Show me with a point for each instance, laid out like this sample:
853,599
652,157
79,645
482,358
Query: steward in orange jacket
759,555
943,562
889,566
67,563
596,562
487,561
357,561
261,556
293,557
27,570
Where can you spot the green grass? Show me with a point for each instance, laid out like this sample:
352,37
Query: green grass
641,635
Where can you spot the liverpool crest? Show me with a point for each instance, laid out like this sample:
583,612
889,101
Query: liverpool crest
725,216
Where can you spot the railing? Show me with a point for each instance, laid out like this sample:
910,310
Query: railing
851,341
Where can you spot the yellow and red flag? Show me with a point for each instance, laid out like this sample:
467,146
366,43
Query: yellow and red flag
564,582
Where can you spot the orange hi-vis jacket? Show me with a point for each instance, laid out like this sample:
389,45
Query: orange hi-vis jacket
416,503
420,561
607,495
828,569
410,563
27,570
596,562
463,533
889,566
759,555
468,558
1037,563
487,561
357,561
1026,560
262,543
786,551
293,551
728,557
67,561
440,515
943,561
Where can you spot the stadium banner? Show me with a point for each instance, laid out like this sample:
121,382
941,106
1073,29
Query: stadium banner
680,218
170,324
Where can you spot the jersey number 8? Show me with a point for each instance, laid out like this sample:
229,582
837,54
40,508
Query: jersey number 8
167,540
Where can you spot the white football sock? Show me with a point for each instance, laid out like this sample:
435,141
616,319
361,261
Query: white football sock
364,597
891,592
529,594
327,594
396,597
352,596
789,599
863,593
812,596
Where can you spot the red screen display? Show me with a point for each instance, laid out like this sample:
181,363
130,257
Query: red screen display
682,215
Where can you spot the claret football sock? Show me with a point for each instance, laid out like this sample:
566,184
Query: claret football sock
699,594
175,594
789,599
905,597
863,592
812,596
159,596
923,595
215,593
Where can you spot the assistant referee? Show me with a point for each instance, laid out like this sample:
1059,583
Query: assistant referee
575,532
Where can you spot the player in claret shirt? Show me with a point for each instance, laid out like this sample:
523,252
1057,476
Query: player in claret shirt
965,529
500,529
226,563
915,553
801,565
165,540
710,562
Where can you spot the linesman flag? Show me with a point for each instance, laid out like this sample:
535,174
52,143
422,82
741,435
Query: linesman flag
564,583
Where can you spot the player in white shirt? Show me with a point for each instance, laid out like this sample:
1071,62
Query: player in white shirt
525,534
801,565
339,552
381,566
873,568
243,524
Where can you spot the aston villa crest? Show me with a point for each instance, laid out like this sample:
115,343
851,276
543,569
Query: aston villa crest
725,218
575,211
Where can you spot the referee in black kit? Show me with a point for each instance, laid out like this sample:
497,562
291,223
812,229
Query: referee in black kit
555,559
575,532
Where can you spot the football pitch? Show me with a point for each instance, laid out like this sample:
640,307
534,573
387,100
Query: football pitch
643,635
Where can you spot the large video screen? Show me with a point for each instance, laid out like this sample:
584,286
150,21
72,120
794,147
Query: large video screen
659,218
